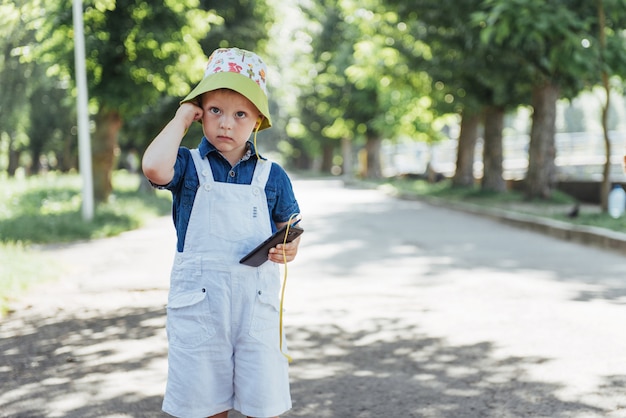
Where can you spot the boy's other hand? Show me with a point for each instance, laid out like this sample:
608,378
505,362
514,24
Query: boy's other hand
291,249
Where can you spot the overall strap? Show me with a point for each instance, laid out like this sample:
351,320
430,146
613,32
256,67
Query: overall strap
261,173
203,167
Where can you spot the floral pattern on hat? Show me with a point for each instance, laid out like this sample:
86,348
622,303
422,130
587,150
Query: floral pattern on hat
239,61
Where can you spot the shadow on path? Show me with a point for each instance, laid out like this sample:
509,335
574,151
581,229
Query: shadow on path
91,366
409,374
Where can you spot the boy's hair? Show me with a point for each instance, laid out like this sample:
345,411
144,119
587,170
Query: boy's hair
239,70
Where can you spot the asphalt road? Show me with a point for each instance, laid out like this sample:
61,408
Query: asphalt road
393,309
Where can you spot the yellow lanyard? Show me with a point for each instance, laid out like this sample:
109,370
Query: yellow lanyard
282,292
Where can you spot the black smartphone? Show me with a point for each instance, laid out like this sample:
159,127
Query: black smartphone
260,254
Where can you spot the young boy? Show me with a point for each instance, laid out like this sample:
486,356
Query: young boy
223,316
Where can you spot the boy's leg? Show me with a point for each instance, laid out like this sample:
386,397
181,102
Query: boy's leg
220,415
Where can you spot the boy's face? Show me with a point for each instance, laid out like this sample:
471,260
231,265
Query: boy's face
227,121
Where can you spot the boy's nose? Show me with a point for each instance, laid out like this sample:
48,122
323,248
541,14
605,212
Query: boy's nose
226,122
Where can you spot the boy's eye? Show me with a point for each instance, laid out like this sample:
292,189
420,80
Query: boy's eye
240,114
214,110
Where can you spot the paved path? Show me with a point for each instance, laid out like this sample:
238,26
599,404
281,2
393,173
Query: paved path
394,309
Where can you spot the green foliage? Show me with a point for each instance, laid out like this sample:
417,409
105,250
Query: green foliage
339,68
614,55
243,24
363,83
14,36
136,50
544,36
47,209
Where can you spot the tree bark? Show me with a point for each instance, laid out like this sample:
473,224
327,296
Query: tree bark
605,187
464,173
348,163
104,147
67,157
328,152
372,146
492,150
541,175
14,156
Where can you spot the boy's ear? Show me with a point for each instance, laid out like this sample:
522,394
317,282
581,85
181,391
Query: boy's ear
259,120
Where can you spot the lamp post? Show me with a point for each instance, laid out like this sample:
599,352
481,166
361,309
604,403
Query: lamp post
84,140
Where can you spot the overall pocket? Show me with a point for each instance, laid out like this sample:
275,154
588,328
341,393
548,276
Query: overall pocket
189,323
265,315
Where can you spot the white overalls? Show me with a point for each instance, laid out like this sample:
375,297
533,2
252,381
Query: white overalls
222,316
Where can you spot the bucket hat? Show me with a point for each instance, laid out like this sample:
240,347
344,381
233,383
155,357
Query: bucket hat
239,70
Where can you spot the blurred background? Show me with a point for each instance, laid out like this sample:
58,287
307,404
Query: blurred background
497,94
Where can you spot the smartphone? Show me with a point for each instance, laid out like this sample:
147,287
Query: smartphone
260,254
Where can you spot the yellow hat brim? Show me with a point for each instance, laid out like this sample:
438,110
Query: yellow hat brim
239,83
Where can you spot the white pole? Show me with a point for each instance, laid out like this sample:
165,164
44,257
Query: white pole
84,140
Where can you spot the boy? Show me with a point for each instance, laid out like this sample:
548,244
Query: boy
222,316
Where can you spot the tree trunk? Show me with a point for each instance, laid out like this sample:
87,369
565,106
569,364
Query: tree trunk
606,172
464,173
14,156
328,152
104,147
347,168
492,150
68,158
372,146
540,178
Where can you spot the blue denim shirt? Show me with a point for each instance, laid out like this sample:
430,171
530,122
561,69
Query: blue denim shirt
281,200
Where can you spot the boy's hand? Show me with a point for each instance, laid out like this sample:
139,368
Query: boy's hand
291,249
188,113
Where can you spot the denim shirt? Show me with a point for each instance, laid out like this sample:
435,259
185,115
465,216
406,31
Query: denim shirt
281,200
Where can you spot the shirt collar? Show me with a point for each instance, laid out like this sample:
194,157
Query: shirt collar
206,148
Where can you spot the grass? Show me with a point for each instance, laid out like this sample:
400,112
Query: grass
20,268
556,208
47,209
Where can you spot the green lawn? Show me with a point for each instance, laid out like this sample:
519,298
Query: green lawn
47,209
556,208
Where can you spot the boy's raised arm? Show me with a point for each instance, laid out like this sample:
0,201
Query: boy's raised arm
160,156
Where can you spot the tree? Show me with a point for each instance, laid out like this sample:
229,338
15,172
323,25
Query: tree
390,97
322,119
136,52
50,139
479,82
14,35
545,39
611,60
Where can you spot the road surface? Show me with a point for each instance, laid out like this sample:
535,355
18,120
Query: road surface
393,309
